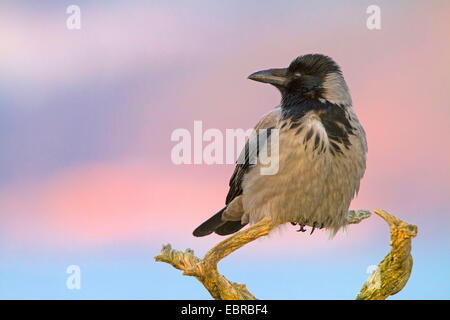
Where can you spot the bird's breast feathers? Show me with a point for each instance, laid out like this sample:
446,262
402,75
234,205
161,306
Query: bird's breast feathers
321,161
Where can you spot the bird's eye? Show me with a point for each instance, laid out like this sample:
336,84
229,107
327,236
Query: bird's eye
297,74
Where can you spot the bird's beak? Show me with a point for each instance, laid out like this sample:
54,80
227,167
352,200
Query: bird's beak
277,77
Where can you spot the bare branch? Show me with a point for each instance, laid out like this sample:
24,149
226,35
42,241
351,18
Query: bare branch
205,270
394,270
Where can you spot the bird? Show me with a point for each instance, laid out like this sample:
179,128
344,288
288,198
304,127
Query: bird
322,150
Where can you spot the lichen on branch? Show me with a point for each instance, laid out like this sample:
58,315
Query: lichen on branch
393,272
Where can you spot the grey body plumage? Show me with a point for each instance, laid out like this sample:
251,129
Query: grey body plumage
322,154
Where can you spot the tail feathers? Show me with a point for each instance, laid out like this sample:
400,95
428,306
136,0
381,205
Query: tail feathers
210,225
217,225
229,227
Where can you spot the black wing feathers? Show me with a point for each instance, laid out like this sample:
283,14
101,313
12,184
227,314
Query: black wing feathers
241,169
215,223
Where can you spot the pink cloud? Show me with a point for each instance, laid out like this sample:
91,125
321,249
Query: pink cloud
103,204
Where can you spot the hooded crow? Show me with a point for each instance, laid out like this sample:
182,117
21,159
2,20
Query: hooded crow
322,154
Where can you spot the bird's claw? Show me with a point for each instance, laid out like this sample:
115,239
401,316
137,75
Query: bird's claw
314,227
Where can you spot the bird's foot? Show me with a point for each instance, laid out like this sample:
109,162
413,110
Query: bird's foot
313,227
302,226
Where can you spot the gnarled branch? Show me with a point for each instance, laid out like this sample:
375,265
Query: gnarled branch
220,288
393,272
205,270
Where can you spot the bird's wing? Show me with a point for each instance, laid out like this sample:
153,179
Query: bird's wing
249,154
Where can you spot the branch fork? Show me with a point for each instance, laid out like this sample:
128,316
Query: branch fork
389,278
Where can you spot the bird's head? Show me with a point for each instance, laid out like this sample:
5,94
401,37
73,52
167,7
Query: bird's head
308,78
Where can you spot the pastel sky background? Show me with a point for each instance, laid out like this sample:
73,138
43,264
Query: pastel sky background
86,116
